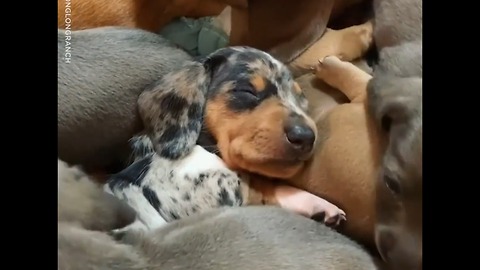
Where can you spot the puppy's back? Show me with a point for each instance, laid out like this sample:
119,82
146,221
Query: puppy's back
251,238
101,73
83,203
397,21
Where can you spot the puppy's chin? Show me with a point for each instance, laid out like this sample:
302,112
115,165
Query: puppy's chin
241,155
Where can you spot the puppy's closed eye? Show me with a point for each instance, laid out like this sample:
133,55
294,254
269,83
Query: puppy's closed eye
248,92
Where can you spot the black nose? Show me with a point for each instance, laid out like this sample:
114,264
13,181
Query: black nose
301,137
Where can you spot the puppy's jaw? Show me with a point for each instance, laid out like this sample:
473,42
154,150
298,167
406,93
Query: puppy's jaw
253,141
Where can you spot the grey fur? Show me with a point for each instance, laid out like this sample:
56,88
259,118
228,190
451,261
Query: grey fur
395,101
233,238
98,90
83,202
85,214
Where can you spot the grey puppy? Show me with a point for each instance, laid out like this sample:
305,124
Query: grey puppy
229,238
395,102
100,77
85,214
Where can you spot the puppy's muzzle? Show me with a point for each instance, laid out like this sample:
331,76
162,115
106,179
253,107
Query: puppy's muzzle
300,137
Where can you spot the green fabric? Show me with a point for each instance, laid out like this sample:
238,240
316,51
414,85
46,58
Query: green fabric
197,36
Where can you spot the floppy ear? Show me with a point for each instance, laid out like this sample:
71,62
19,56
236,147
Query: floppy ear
172,108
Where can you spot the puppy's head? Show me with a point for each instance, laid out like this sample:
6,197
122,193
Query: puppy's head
82,201
396,104
257,114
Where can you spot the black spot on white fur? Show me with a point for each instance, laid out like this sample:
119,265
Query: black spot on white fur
152,198
132,175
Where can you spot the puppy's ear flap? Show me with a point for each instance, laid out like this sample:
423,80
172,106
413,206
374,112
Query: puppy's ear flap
172,110
393,100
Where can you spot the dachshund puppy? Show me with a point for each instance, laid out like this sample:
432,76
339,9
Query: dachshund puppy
162,190
395,102
397,207
254,114
245,100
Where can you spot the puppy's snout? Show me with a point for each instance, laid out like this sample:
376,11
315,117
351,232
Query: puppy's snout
301,137
400,249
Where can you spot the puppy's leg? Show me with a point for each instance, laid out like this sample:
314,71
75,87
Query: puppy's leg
293,199
348,44
344,76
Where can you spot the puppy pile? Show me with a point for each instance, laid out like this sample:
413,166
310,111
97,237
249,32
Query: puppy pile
197,143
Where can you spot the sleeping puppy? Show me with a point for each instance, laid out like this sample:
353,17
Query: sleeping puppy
162,190
392,100
395,102
245,100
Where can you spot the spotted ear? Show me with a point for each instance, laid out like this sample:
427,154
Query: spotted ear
172,108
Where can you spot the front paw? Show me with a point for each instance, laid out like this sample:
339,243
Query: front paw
326,66
331,218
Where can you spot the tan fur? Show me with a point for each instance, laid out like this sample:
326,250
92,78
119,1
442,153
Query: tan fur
258,82
263,25
234,135
150,15
348,44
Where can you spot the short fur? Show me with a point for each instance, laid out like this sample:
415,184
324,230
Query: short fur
162,190
98,89
390,103
232,238
150,15
81,202
252,103
395,102
85,214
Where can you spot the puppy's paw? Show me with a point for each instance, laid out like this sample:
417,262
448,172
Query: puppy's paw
333,216
327,67
308,205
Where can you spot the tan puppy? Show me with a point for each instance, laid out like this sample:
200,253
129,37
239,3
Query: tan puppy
396,215
149,15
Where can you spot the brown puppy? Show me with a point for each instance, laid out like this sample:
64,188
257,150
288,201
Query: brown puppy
288,29
149,15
